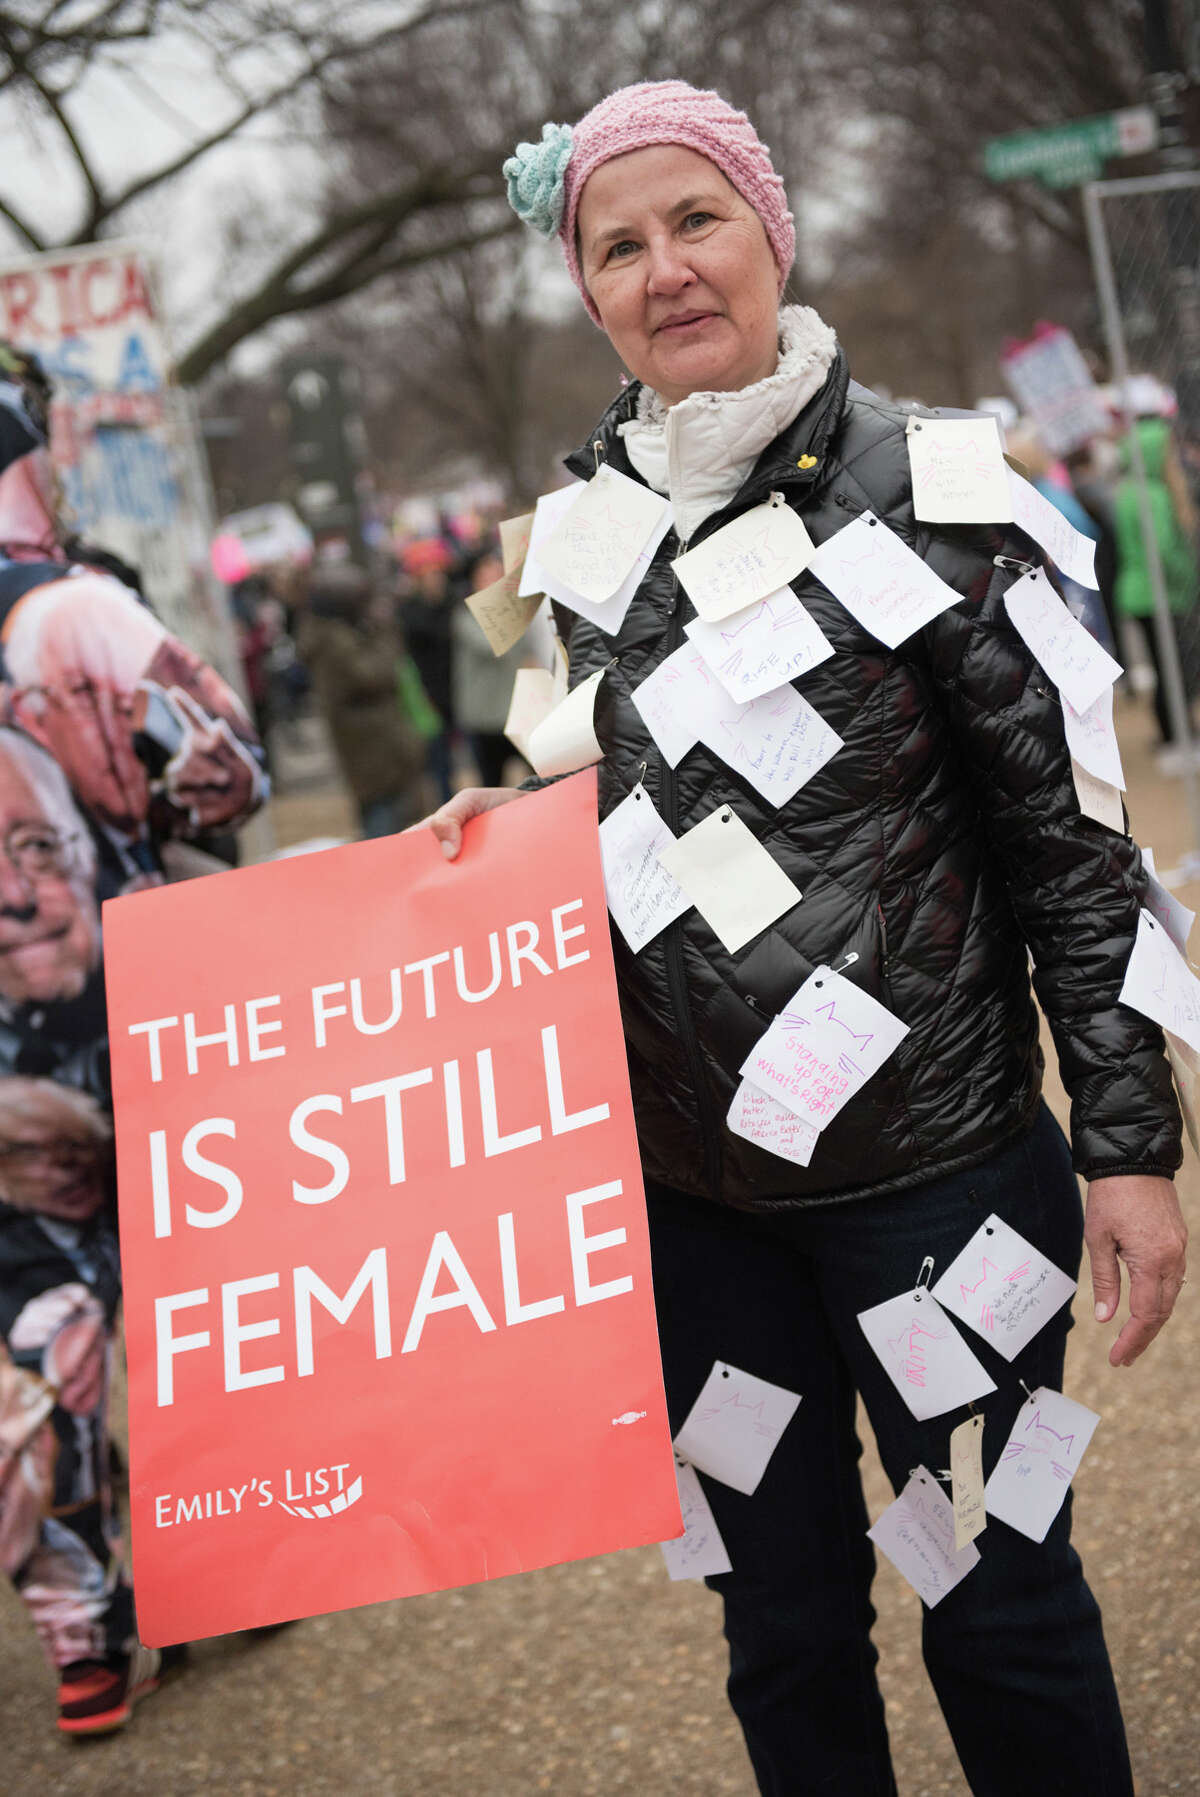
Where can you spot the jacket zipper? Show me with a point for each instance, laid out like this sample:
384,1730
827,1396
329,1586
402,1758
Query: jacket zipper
673,938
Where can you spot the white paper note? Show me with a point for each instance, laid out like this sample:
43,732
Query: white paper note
744,561
700,1552
565,739
502,617
768,1124
734,1426
1003,1287
1097,800
549,511
677,698
923,1354
754,651
514,542
533,698
535,578
1040,1458
1160,984
777,742
823,1047
642,895
966,1481
1067,547
959,475
1069,654
917,1535
880,580
734,882
1171,912
1092,738
593,547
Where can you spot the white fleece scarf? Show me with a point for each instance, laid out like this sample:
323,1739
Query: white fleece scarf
699,451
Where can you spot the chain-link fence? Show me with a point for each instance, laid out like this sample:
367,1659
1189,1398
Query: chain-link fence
1145,243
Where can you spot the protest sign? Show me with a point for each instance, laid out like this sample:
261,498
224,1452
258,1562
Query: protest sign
123,434
388,1304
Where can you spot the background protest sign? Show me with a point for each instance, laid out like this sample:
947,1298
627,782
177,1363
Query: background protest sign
388,1305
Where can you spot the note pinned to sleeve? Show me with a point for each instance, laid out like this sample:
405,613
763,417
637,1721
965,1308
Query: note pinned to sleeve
565,739
514,542
1160,984
502,616
881,581
1069,654
533,698
1097,799
752,652
700,1552
1161,903
823,1047
1003,1287
745,561
1048,1440
735,1425
593,548
1068,548
959,475
923,1354
642,896
734,882
1092,739
917,1535
758,1118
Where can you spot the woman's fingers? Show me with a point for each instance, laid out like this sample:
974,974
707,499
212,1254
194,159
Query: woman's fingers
448,820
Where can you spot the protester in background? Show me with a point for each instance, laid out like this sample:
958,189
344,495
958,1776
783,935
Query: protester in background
351,647
941,843
425,614
1091,469
1173,519
115,738
482,681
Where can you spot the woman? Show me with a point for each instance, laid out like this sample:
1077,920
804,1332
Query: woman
1173,518
941,838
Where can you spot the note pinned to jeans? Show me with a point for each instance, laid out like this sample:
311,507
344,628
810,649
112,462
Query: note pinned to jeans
881,581
754,651
823,1047
1048,1440
735,1425
700,1551
923,1354
642,896
1070,655
917,1535
959,475
744,561
966,1481
734,882
1003,1287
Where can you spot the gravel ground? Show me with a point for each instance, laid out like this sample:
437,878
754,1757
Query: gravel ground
602,1677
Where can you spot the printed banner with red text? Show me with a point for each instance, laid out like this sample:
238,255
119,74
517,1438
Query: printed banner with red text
387,1283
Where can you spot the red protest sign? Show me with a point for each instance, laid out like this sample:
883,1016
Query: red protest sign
388,1305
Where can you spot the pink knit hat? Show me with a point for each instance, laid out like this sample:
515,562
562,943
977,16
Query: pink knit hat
546,180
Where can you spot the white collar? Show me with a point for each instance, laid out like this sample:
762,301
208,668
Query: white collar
699,451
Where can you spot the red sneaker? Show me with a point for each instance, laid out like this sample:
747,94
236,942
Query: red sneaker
95,1697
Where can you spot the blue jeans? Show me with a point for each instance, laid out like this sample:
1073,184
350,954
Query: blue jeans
1015,1652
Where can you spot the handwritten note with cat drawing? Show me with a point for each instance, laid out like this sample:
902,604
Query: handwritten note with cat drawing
823,1047
735,1425
1003,1287
923,1354
1028,1487
763,647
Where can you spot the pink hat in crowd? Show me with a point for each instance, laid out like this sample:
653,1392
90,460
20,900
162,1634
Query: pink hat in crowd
545,180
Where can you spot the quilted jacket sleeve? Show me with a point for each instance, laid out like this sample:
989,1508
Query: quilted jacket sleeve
1076,886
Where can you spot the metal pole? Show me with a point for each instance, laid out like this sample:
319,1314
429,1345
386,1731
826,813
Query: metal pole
1168,647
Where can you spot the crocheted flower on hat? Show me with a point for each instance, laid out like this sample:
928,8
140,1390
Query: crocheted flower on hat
535,179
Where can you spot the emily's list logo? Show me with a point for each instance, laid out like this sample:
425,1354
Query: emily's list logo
315,1492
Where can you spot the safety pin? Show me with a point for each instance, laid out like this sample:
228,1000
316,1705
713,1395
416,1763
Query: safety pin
923,1277
598,452
851,958
1025,1389
1010,561
643,766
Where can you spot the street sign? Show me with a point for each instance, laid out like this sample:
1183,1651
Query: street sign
1068,155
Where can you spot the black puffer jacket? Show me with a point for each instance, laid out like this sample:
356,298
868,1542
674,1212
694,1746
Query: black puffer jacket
943,838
